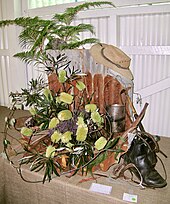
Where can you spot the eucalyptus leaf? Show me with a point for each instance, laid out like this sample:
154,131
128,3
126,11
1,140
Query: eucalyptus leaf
100,158
112,143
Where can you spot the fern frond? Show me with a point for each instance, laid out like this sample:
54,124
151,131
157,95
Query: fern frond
74,45
87,5
40,38
58,32
71,12
26,57
28,37
24,21
66,31
6,23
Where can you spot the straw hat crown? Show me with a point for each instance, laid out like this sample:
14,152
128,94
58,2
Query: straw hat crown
113,58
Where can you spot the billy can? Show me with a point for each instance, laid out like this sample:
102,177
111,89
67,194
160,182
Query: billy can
117,117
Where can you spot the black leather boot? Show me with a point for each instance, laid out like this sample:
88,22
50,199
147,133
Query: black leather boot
142,155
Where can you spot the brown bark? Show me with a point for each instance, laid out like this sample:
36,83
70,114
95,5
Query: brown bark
88,82
98,91
53,82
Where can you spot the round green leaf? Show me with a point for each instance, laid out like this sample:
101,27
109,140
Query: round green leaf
81,133
66,98
56,136
64,115
47,94
90,107
53,122
100,143
96,117
62,76
50,151
33,111
66,137
26,131
80,85
80,121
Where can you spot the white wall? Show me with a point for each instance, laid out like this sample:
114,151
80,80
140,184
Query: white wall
12,71
143,33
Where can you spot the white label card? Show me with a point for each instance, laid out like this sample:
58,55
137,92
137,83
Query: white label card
130,197
100,188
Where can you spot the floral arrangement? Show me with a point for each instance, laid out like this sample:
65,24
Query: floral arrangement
65,132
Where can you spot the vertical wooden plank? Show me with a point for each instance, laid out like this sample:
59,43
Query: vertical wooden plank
95,23
113,30
103,29
1,83
86,34
5,81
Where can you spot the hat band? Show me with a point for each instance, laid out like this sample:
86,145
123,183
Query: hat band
118,65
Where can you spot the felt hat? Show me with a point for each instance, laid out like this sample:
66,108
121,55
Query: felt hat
113,58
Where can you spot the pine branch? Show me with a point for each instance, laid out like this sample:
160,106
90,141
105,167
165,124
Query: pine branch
74,45
66,31
58,31
28,37
71,12
41,37
22,21
26,57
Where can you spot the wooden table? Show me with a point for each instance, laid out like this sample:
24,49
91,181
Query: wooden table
64,190
13,190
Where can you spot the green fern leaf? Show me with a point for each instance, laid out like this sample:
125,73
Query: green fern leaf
71,12
74,45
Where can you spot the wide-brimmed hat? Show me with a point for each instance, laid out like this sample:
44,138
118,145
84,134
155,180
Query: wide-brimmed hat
112,57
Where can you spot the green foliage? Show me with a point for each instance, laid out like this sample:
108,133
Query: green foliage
60,135
39,35
50,143
70,13
73,45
